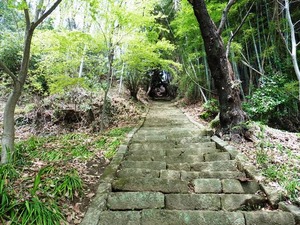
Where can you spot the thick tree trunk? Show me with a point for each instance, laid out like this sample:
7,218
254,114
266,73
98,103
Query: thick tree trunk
231,112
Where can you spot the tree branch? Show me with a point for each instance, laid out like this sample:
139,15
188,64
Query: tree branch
237,30
282,5
285,42
224,16
8,71
246,63
46,14
27,18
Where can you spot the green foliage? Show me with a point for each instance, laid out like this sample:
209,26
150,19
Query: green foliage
68,185
8,172
112,148
211,109
119,132
11,51
6,202
273,99
36,211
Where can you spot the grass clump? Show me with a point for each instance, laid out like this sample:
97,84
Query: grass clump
35,211
68,185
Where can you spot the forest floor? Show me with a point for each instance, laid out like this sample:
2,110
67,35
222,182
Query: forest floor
67,148
275,153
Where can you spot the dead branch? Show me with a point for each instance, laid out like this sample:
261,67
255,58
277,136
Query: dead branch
237,30
224,16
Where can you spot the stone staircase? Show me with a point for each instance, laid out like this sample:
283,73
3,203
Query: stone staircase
173,174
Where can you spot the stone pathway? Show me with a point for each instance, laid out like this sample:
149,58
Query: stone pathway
173,174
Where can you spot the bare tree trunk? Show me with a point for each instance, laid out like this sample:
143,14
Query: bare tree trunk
294,44
231,113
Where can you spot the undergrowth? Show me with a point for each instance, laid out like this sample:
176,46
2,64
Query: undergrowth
279,164
42,175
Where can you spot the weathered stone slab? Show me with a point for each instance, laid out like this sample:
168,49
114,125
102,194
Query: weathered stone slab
179,166
135,172
170,174
207,186
218,156
135,200
268,218
246,202
153,165
295,210
153,184
150,146
232,186
119,218
251,187
215,166
184,159
146,156
189,151
175,217
193,201
210,144
191,175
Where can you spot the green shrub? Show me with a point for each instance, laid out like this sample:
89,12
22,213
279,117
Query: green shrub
275,98
211,109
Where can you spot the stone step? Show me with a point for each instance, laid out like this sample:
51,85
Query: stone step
138,173
157,200
187,175
191,151
170,182
168,159
151,184
153,165
142,138
171,146
225,165
227,202
186,217
135,200
177,131
167,123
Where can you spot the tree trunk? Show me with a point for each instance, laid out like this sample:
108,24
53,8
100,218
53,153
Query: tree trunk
8,136
231,113
294,44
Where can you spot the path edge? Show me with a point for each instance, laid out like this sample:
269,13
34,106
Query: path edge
243,163
98,204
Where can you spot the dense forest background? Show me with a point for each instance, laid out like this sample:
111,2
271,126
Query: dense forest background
90,65
88,44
